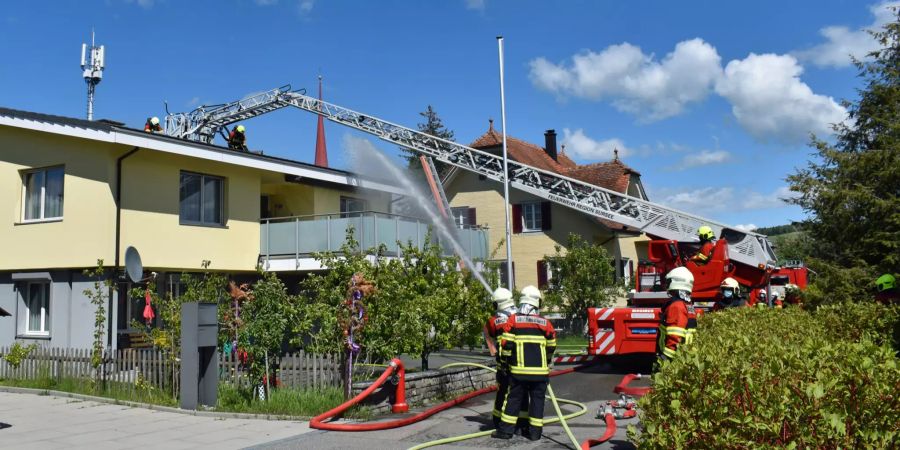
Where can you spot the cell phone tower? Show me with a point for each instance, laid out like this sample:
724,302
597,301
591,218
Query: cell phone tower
93,71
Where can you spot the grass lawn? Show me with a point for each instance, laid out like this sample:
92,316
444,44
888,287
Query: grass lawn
143,393
286,402
571,344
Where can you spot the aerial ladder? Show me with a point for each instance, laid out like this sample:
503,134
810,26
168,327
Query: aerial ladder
752,249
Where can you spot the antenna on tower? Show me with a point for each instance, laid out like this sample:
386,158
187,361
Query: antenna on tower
93,71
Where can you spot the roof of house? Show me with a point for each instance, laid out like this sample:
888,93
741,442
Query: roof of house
614,175
110,131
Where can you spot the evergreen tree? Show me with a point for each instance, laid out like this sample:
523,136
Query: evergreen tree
851,189
433,126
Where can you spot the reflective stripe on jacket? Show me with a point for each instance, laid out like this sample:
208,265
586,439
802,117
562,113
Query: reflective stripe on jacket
677,324
530,341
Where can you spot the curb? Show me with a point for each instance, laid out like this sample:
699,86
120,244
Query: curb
111,401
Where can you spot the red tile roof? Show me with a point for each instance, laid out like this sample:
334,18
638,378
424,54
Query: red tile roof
614,175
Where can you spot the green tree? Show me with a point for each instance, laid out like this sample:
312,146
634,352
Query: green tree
433,126
583,277
851,189
98,297
422,302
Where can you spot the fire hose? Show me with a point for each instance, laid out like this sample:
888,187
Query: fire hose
400,406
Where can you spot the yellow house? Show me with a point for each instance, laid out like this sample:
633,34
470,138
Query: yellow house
74,191
537,225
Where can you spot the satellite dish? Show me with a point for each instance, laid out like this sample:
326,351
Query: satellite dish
133,267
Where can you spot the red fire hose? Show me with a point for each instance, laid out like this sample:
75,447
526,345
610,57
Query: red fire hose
610,431
623,388
399,406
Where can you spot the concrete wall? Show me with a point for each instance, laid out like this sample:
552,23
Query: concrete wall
85,232
429,387
71,312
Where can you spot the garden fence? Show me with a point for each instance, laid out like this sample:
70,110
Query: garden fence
153,367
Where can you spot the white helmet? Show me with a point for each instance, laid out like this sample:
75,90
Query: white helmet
154,120
680,279
531,296
730,283
503,298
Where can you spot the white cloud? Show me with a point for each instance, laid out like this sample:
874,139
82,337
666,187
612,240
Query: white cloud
745,227
704,158
477,5
265,2
709,200
581,146
634,81
841,42
305,6
146,4
771,103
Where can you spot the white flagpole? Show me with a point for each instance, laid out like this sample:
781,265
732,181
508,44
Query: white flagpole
509,263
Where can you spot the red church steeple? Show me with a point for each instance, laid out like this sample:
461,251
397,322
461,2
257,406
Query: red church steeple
321,152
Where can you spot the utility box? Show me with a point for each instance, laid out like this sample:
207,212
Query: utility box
199,354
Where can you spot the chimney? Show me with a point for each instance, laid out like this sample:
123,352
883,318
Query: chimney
550,144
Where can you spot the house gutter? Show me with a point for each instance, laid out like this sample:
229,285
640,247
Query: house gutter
109,328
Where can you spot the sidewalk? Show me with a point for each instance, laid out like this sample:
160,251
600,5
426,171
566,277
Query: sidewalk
48,422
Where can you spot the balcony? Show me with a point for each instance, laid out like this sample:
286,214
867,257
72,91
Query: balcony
287,243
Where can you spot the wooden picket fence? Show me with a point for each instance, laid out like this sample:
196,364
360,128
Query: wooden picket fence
158,369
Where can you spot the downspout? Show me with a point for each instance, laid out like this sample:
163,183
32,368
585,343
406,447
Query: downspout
109,328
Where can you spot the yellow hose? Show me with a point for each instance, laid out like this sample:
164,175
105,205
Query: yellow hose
560,417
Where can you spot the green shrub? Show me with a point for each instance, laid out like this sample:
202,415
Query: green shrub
851,321
774,379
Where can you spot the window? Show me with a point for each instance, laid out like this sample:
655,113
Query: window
201,199
531,217
545,274
37,308
352,205
42,194
463,216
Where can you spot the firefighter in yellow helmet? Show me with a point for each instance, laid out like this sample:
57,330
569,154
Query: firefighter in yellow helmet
707,246
237,140
887,289
677,320
531,341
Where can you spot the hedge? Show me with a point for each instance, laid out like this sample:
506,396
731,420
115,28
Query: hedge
779,379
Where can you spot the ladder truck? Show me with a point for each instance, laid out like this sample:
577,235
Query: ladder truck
744,255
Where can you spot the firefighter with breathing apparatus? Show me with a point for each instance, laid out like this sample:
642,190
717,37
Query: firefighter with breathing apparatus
731,295
677,320
152,125
792,295
531,341
506,307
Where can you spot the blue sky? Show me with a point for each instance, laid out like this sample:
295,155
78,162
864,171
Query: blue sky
711,101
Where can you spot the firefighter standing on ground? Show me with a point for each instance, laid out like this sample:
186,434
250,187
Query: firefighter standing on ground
237,140
531,341
506,307
152,125
706,236
677,321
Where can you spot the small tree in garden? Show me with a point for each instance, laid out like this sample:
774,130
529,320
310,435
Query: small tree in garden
98,296
583,277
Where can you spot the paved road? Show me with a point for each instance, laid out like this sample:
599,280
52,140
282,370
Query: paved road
591,386
48,422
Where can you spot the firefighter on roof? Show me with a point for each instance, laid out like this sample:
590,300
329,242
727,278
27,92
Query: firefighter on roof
677,321
531,341
505,308
706,236
237,140
152,125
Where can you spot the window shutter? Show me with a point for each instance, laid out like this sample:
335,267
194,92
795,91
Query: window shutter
545,216
517,218
472,220
542,274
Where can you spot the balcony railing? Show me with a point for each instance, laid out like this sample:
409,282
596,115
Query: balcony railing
299,237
